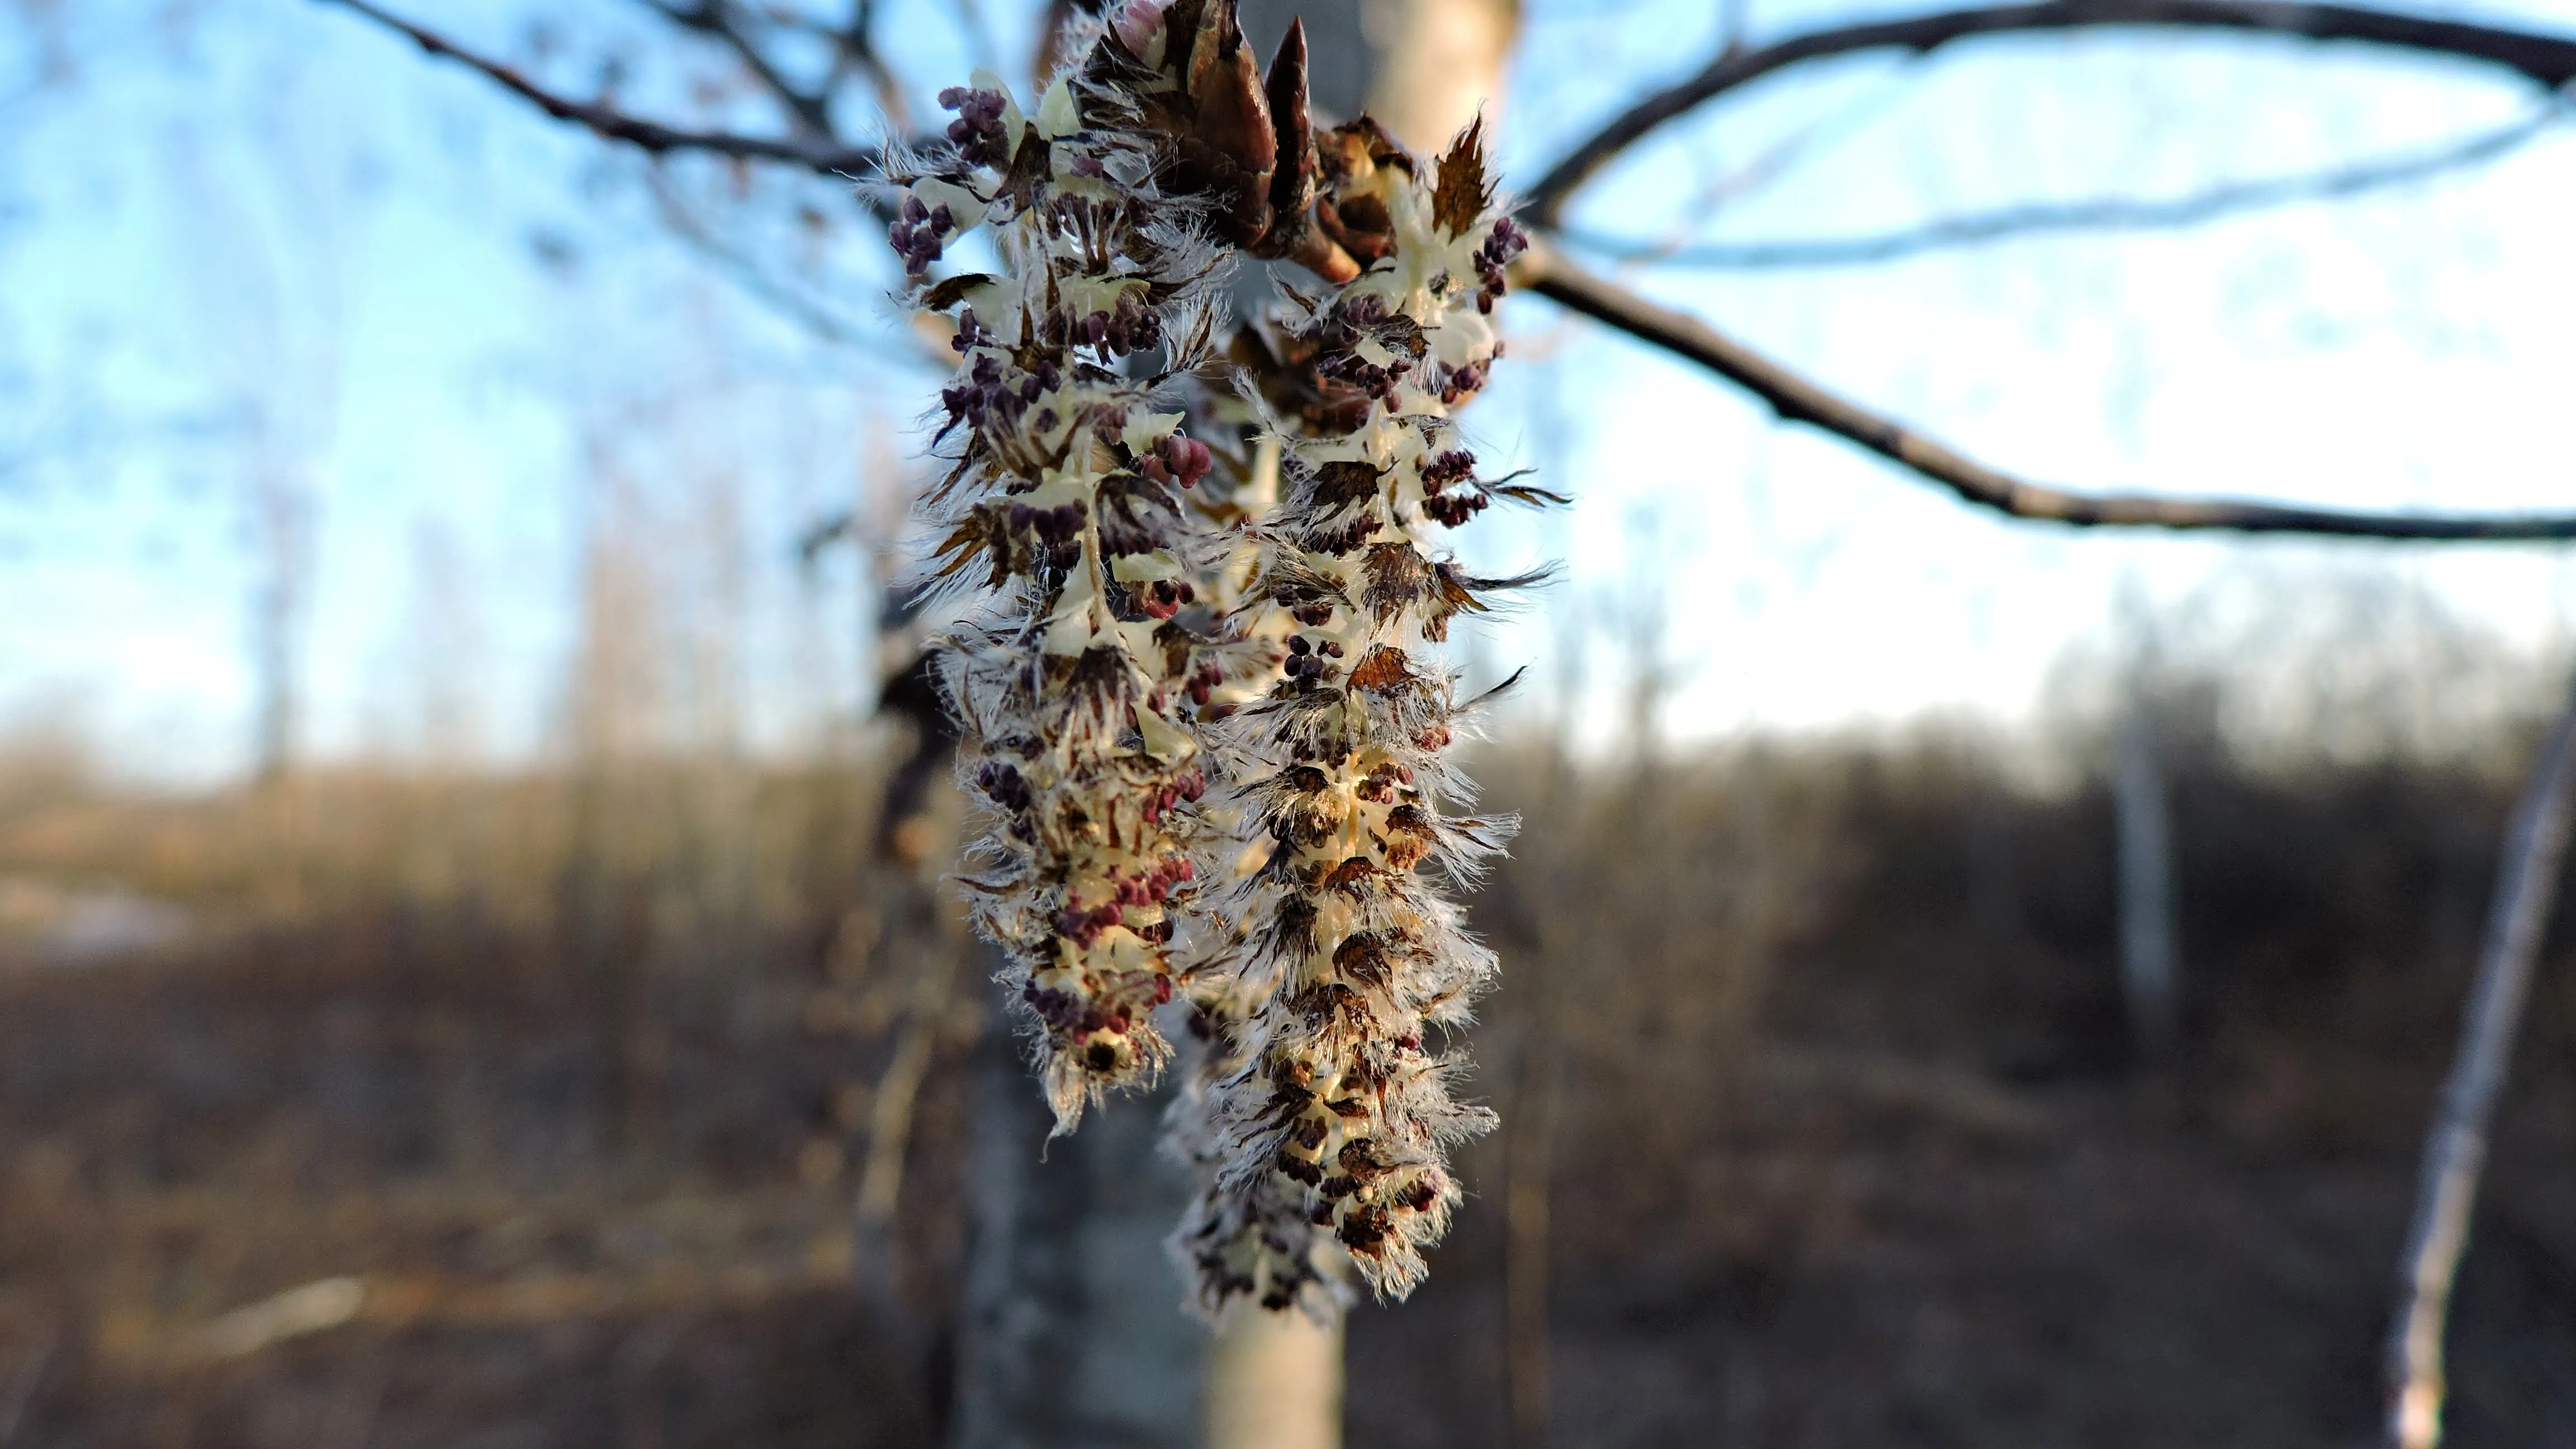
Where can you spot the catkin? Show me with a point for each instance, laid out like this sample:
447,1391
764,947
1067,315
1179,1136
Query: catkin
1329,1100
1200,697
1065,498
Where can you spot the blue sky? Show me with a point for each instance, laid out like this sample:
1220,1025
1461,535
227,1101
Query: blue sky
264,241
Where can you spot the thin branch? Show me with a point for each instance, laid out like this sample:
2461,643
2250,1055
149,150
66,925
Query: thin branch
978,34
764,286
2535,848
2105,214
1763,171
809,113
1796,399
2549,60
854,46
813,153
1791,396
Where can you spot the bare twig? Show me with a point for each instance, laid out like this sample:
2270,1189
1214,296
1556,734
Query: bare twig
1763,171
766,287
2535,848
1790,395
1793,397
854,46
1796,399
2547,59
978,34
809,112
2105,214
815,153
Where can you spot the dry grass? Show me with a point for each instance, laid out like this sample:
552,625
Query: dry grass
572,1074
578,1065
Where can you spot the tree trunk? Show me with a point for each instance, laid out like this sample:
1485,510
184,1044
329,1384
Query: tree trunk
2149,968
283,527
2455,1150
1073,1336
1275,1382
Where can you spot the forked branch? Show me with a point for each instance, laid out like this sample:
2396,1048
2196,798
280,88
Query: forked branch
1790,395
2549,60
810,111
816,153
1797,399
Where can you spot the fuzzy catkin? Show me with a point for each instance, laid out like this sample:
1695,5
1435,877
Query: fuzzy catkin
1330,1109
1066,498
1221,717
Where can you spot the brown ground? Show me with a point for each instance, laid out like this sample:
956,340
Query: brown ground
1848,1150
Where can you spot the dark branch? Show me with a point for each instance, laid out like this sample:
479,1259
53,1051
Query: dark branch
2549,60
854,46
809,113
813,153
1797,400
1789,395
2109,214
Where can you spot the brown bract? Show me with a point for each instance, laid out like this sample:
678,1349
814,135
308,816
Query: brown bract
1244,142
1459,192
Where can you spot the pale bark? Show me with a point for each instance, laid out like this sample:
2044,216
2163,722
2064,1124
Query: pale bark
1423,68
1073,1336
284,532
2535,851
2149,968
1438,63
1275,1382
